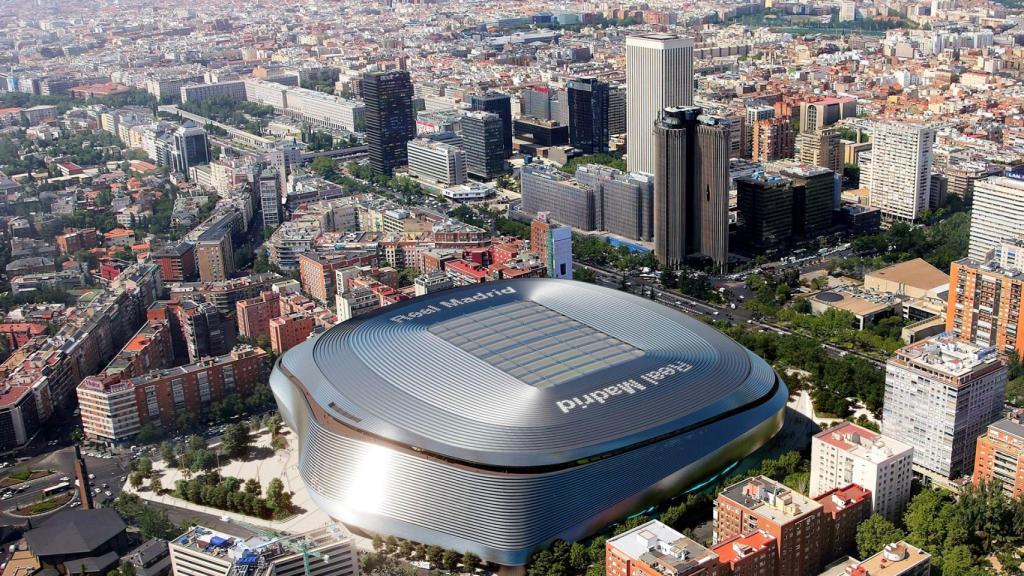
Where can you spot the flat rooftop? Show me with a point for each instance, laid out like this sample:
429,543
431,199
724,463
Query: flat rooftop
863,443
947,355
662,548
770,499
895,560
917,273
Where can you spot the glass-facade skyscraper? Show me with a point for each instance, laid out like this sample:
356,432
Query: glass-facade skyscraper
390,119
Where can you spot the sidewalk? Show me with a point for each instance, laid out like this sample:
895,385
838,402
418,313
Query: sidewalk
281,464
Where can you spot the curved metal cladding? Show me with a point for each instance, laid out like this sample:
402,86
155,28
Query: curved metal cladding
411,423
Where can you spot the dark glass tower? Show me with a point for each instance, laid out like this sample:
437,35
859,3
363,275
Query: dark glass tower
500,104
390,120
691,187
588,115
482,134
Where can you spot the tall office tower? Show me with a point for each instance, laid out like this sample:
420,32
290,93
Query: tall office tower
847,453
940,395
765,205
814,190
270,198
999,456
659,75
825,112
984,304
617,110
821,148
500,104
773,140
390,119
997,214
691,187
191,148
588,115
898,175
553,244
482,135
754,114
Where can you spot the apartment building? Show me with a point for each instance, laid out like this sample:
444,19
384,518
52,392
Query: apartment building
114,410
290,330
847,453
898,174
254,315
984,304
177,262
845,508
796,522
940,395
654,549
999,455
997,215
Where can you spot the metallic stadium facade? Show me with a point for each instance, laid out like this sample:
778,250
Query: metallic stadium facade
496,418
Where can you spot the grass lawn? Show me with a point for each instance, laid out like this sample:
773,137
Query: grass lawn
23,476
43,506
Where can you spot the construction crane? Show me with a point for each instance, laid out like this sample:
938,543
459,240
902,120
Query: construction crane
289,542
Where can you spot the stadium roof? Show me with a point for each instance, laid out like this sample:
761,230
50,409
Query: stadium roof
527,373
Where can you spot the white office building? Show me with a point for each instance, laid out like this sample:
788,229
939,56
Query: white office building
898,175
659,74
847,453
437,162
205,552
997,214
940,395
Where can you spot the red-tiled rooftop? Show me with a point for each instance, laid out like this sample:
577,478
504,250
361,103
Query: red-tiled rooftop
839,498
838,435
733,549
10,395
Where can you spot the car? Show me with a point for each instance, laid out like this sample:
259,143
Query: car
6,497
95,490
107,493
65,479
105,485
92,476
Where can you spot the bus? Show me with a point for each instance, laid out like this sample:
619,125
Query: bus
56,489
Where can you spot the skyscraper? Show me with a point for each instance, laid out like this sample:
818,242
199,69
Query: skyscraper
898,175
659,74
500,104
191,148
765,206
691,187
390,120
270,198
482,134
588,115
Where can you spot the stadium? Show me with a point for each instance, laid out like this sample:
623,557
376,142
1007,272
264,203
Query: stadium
496,418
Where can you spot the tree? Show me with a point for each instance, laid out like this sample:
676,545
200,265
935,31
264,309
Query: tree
144,466
169,454
470,562
584,275
236,440
434,555
156,485
874,534
135,480
252,486
450,560
324,167
147,434
277,499
195,442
